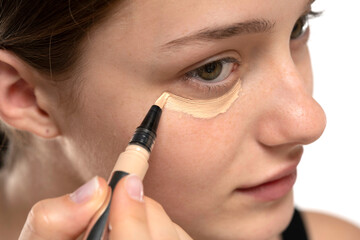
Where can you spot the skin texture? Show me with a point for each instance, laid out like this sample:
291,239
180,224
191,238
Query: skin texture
204,109
196,164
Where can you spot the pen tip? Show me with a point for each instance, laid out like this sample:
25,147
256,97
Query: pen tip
161,101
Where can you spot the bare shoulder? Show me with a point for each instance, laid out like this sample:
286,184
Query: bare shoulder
321,226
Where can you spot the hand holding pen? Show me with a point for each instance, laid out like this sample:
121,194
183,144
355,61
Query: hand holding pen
132,216
115,210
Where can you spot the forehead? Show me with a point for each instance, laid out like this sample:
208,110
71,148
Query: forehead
139,29
168,19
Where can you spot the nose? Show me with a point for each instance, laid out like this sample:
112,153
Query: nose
289,115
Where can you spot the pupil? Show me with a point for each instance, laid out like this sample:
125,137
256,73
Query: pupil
209,68
210,71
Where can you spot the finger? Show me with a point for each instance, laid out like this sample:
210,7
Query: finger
160,225
181,233
65,217
128,219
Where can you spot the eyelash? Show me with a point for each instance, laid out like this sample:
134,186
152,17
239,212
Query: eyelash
304,20
193,76
194,73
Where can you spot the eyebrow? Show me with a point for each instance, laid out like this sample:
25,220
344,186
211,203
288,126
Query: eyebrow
224,32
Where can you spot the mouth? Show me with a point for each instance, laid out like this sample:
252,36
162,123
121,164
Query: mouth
271,190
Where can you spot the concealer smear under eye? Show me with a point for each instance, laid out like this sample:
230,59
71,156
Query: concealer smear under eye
200,108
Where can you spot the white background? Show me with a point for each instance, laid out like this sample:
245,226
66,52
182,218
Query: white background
329,174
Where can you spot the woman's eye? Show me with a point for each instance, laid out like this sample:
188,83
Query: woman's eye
215,71
210,71
300,27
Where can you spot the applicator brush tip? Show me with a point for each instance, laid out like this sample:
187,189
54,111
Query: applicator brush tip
161,101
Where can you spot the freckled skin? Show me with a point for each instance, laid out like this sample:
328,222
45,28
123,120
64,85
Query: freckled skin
196,163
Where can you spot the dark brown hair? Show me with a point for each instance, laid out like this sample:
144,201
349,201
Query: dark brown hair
3,147
47,34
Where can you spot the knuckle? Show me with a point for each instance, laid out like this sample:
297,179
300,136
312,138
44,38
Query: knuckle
154,204
39,219
133,218
30,230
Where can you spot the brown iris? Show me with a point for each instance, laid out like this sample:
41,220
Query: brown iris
298,29
210,71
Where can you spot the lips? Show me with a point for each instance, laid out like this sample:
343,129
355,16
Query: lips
273,189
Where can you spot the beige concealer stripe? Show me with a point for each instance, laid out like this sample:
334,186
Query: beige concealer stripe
202,108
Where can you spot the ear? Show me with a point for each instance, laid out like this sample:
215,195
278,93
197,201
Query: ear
19,106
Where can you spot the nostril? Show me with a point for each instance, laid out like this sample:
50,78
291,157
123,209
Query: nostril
296,152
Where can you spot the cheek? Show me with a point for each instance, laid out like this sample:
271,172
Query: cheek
192,143
106,116
188,158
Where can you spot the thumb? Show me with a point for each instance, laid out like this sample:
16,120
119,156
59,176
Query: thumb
65,217
128,217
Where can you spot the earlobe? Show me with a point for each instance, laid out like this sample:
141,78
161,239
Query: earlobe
18,104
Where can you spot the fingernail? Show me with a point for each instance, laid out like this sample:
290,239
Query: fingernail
134,188
86,191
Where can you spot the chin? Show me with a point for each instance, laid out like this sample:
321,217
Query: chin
265,222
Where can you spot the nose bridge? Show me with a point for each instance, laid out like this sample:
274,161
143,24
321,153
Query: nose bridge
292,114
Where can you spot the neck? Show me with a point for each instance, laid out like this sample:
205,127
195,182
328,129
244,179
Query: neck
36,172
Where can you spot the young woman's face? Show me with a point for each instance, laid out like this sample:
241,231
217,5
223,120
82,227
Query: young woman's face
199,168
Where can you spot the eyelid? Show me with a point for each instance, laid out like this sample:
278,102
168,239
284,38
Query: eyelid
224,60
228,54
208,89
313,14
310,14
212,89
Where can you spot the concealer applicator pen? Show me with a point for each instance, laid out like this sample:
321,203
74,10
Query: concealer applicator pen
134,160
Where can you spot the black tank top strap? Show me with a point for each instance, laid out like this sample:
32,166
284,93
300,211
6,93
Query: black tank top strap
296,229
